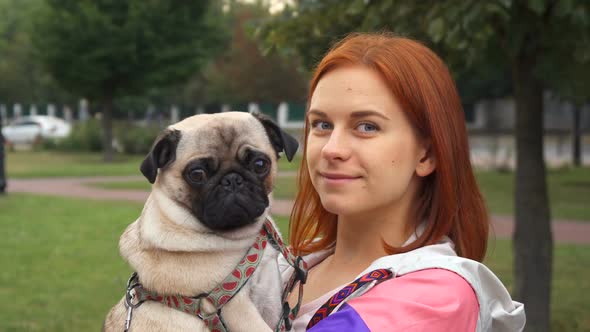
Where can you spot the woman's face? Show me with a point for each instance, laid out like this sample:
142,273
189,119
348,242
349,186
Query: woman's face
363,155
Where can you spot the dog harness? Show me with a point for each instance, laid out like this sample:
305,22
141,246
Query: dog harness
136,294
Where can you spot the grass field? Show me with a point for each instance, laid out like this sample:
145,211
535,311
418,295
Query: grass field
569,190
62,272
35,164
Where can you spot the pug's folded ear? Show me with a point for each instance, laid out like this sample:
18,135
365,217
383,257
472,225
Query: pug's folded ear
163,153
280,139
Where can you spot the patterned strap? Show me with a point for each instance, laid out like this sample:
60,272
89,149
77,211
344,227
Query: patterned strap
218,297
327,308
300,275
230,286
190,305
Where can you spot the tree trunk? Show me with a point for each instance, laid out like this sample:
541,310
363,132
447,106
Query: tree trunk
107,129
533,239
577,148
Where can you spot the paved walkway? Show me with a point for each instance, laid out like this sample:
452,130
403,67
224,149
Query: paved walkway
564,231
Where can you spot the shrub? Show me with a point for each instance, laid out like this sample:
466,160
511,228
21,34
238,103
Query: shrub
85,136
135,139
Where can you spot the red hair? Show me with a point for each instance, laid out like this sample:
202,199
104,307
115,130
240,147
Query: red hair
449,199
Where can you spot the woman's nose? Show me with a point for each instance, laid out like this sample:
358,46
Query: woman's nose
337,146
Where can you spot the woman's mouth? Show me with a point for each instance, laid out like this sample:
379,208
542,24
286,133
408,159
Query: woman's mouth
337,178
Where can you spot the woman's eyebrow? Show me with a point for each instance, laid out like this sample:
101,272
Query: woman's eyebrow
354,115
318,113
361,114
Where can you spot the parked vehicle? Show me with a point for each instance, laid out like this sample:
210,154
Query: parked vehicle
33,129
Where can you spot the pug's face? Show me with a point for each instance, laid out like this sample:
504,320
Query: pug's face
221,167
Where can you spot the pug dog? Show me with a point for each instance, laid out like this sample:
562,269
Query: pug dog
212,175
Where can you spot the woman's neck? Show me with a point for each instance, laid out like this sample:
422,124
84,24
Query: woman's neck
359,239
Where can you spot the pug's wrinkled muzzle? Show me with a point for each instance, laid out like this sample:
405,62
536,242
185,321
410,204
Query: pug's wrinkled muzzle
235,202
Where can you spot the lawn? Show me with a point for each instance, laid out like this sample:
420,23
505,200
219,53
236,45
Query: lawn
569,190
35,164
62,271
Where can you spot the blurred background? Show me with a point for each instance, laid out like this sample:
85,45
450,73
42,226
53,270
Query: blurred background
87,85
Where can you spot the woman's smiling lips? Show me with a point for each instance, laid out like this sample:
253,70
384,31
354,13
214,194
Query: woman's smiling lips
337,178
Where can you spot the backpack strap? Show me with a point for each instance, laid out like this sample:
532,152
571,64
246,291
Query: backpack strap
375,277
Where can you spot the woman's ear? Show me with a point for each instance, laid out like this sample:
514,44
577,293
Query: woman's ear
427,162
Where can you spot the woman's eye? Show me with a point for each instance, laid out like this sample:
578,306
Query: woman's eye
321,125
367,127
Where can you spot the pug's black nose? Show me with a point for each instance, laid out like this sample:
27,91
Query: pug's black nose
232,182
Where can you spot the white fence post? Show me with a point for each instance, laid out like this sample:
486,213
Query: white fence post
17,111
3,114
83,114
68,114
174,114
50,110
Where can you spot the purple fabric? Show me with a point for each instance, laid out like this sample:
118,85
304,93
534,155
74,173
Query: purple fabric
345,319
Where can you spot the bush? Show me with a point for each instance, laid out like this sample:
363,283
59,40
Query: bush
86,136
128,138
134,139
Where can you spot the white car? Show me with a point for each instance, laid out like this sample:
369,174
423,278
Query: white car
33,129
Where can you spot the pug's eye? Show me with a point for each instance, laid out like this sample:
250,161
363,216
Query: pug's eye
197,175
260,166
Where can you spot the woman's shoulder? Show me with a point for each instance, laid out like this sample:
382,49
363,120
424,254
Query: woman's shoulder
430,286
436,299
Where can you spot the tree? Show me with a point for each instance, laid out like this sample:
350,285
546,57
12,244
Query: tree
243,73
103,49
533,40
23,78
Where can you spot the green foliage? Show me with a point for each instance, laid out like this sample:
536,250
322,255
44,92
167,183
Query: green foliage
23,79
85,137
243,73
474,37
135,139
107,48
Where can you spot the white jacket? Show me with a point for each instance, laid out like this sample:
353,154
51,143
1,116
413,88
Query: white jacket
497,311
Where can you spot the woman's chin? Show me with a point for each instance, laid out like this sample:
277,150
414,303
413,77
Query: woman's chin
337,206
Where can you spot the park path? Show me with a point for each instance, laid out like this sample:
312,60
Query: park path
564,231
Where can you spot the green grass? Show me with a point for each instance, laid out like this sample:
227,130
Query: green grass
285,165
122,185
569,190
571,282
62,272
285,188
61,267
35,164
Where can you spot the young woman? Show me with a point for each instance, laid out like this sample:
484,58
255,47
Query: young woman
388,213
